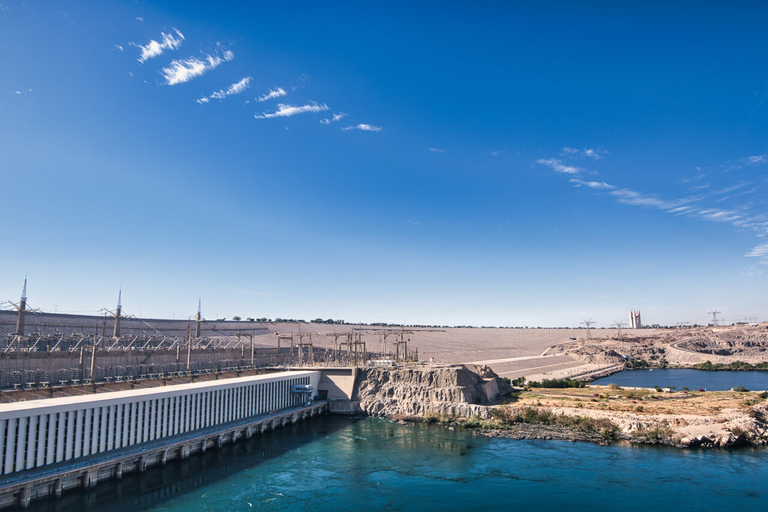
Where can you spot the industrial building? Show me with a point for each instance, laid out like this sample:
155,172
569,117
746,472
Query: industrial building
38,433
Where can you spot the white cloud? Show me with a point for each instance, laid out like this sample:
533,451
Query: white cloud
235,88
139,18
746,162
181,71
120,48
598,185
699,206
18,93
760,251
626,196
496,153
274,93
203,100
155,49
595,154
289,110
558,166
336,117
364,127
699,176
437,150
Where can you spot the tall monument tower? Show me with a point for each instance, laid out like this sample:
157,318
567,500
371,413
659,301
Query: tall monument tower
634,319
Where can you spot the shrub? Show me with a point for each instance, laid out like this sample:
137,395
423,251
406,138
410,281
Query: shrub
558,383
518,382
657,433
740,389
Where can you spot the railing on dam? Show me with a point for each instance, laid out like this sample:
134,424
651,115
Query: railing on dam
37,433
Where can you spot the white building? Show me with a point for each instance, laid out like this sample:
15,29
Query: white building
42,432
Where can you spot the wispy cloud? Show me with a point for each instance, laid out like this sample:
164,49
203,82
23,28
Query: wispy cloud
739,218
364,127
18,93
557,165
437,150
155,48
235,88
760,251
598,185
289,110
139,18
336,117
203,100
274,93
594,154
701,206
700,176
745,162
496,153
626,196
181,71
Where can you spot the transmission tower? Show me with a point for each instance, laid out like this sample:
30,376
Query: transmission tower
117,314
21,307
714,314
588,324
618,326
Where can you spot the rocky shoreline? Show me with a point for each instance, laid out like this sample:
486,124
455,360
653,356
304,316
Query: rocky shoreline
458,397
527,431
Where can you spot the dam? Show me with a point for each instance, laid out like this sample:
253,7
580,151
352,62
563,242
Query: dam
51,445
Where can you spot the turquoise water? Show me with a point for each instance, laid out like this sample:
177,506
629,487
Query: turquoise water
336,464
693,379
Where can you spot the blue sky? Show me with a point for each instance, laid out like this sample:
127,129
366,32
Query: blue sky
483,163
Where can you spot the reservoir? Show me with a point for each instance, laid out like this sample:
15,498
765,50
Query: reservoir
340,464
692,379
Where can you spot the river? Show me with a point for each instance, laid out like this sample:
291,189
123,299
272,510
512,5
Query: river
692,379
340,464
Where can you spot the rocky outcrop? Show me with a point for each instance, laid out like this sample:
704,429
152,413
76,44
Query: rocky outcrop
452,391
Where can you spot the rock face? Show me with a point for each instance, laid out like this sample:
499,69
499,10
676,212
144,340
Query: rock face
454,391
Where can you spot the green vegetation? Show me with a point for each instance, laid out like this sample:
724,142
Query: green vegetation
738,431
439,418
635,364
657,433
740,389
505,417
557,383
734,366
518,382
